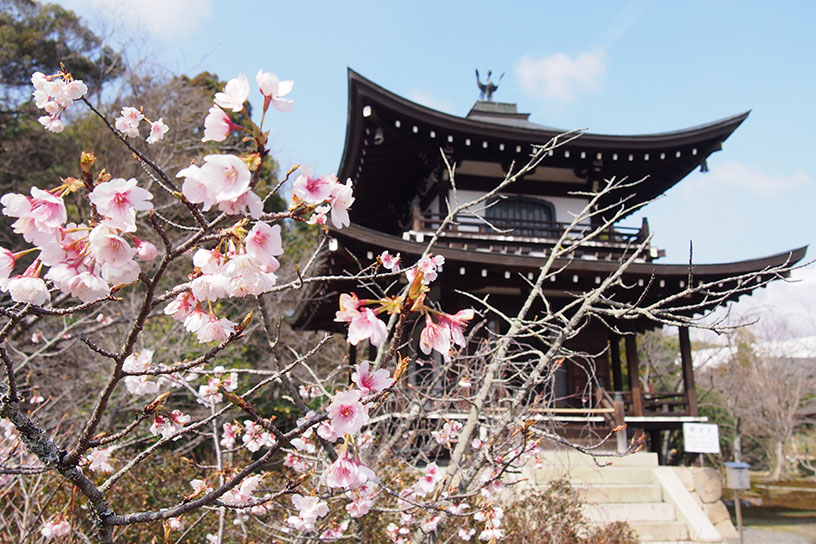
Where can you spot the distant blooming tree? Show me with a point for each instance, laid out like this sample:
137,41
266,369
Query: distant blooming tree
425,435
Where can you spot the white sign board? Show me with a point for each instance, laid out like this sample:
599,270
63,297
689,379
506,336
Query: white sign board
701,438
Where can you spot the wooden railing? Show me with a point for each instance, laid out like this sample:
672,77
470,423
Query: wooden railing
521,236
654,404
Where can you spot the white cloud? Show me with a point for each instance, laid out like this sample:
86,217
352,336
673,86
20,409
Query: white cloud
427,99
784,309
560,77
736,175
162,19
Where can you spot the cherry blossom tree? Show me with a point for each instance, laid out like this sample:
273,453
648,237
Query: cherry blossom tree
427,435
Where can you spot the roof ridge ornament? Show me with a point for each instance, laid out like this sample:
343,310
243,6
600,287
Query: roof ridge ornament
487,88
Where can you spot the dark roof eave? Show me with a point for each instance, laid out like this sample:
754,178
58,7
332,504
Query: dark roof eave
396,244
360,87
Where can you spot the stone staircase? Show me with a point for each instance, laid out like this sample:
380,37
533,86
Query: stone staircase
633,489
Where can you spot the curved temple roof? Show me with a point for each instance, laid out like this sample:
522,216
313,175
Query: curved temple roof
393,147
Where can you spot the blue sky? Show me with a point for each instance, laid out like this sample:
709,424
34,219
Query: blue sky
612,67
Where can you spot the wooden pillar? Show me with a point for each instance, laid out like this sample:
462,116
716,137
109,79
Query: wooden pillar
633,366
615,361
689,390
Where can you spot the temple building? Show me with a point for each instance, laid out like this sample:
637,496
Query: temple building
395,152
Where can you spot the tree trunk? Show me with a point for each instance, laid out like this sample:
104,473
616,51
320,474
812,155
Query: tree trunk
779,461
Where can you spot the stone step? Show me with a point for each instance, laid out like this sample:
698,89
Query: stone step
595,475
618,493
629,512
651,531
568,459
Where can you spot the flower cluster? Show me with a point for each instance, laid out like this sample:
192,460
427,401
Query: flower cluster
53,94
128,124
448,433
55,528
322,195
492,516
85,261
168,424
309,510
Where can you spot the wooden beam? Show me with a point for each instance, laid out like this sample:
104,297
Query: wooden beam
615,361
633,366
689,390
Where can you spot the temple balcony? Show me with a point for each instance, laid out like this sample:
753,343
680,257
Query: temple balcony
532,237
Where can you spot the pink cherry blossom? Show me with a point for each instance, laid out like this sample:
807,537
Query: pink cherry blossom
347,413
200,487
226,176
118,200
247,201
128,122
273,90
55,529
7,261
263,244
347,472
309,510
229,434
210,287
430,524
75,89
122,273
319,217
108,247
210,261
135,363
366,325
243,493
28,290
369,382
255,436
195,188
448,433
390,262
215,330
84,284
145,250
166,425
99,460
181,306
429,266
341,201
217,125
51,123
296,463
359,506
235,94
326,432
196,318
313,190
456,324
427,483
245,277
435,336
349,304
38,80
157,131
46,210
